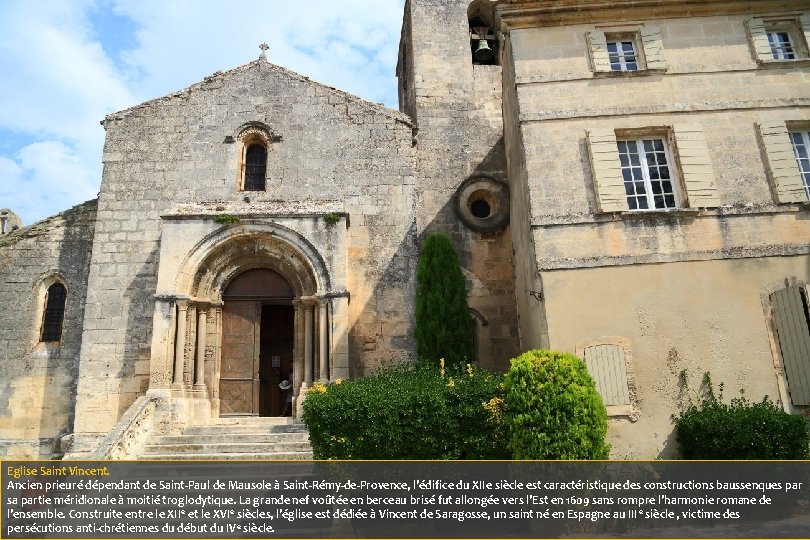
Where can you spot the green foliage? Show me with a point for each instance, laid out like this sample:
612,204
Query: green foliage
226,218
553,410
443,325
742,429
410,411
331,218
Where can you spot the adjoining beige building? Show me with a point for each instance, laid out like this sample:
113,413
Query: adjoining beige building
626,182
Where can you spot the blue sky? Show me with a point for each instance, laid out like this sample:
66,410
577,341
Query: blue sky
66,64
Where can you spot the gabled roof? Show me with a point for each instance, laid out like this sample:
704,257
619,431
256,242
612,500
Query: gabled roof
219,76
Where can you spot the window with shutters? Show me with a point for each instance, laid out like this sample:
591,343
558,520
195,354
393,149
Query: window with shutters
608,360
54,313
627,52
790,322
788,164
779,41
652,169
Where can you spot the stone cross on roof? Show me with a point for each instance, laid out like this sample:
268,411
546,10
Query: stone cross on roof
264,47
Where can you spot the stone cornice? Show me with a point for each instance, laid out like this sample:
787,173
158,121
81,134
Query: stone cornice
507,14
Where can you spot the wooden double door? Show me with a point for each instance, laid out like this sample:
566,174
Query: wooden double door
257,354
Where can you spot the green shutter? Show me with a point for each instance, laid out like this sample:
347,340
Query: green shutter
783,170
790,315
607,171
696,166
607,366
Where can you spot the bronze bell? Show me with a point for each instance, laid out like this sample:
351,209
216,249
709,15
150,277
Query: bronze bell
484,52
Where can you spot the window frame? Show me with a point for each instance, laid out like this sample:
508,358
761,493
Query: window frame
46,331
778,49
249,136
803,162
645,170
620,39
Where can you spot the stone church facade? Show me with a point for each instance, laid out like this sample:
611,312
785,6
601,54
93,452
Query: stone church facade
624,183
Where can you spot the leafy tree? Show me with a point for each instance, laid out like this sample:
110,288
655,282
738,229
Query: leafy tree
443,325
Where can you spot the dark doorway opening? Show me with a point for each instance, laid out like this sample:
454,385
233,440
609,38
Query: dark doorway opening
275,357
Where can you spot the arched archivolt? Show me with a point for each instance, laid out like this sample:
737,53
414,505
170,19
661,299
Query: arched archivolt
221,256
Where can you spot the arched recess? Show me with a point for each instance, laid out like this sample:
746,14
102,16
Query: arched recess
219,337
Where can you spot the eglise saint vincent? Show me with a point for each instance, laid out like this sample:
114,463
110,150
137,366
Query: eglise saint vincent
627,181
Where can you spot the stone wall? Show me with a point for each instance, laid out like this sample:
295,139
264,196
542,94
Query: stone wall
680,289
330,151
37,379
457,106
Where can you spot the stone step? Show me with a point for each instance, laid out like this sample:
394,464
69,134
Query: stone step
235,456
235,438
228,448
293,436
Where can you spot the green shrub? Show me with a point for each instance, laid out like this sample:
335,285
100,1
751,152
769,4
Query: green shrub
406,412
742,429
553,410
443,326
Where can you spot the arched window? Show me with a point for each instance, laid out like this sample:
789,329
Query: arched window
255,167
54,313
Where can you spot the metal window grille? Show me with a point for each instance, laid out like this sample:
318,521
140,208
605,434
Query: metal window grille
801,149
255,167
781,46
647,174
54,312
622,56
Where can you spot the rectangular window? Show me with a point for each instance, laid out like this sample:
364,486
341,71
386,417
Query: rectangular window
781,45
801,149
624,51
648,180
622,55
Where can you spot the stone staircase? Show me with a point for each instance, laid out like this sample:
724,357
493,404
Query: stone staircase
245,438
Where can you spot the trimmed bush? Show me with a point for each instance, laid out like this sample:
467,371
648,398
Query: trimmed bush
712,429
407,412
443,325
553,410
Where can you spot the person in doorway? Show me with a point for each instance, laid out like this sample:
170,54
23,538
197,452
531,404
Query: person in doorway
287,386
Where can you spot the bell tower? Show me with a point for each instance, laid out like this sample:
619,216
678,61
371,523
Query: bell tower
450,84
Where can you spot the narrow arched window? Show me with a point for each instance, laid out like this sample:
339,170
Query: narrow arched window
255,167
54,313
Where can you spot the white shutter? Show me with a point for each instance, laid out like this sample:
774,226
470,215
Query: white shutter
599,54
782,167
607,171
696,166
607,366
653,46
804,20
794,341
759,40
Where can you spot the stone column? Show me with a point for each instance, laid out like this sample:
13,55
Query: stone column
180,344
323,353
298,345
202,331
309,335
